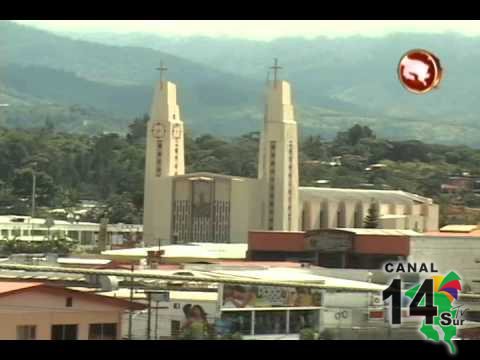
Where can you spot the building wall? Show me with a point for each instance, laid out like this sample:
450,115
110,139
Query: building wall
276,241
158,211
45,310
431,215
449,253
245,214
392,223
382,245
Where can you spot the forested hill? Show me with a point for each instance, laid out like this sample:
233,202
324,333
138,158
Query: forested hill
110,167
38,67
336,82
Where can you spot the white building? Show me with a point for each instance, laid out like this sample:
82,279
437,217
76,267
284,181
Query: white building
457,250
36,229
206,207
346,208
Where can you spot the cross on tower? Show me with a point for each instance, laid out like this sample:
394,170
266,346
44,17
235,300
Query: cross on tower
275,69
162,69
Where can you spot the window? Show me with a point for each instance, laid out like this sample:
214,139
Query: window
4,232
303,319
102,332
71,234
270,322
26,332
69,302
16,232
64,332
237,322
86,237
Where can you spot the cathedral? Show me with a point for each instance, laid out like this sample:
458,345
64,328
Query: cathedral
206,207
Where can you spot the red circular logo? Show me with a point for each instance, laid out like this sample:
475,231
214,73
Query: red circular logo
419,71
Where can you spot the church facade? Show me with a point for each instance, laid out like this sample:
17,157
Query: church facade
206,207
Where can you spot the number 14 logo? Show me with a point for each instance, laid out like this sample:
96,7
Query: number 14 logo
429,310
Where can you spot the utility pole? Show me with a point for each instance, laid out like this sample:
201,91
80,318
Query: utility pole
49,223
34,186
130,315
156,320
149,316
102,236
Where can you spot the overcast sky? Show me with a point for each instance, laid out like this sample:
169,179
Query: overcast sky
261,29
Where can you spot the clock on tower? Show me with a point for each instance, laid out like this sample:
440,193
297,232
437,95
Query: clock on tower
158,130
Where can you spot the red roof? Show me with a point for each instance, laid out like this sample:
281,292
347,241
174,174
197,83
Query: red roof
10,287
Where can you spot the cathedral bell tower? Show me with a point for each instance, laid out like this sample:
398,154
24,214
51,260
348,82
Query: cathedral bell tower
278,162
165,131
164,156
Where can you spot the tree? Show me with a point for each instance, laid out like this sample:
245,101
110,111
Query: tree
137,131
122,210
45,186
353,135
371,220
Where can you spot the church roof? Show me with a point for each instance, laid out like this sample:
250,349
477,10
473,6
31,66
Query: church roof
364,195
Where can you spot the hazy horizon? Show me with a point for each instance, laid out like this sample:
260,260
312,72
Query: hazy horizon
260,29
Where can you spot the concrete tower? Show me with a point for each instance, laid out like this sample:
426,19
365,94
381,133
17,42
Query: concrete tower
164,158
278,162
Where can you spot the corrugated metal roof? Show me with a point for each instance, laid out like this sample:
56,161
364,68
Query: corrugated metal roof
10,286
302,275
193,251
80,261
7,287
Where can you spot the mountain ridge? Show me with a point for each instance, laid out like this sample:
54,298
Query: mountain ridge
336,82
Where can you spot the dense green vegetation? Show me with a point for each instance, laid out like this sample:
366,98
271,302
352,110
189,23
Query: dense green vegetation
109,168
55,246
